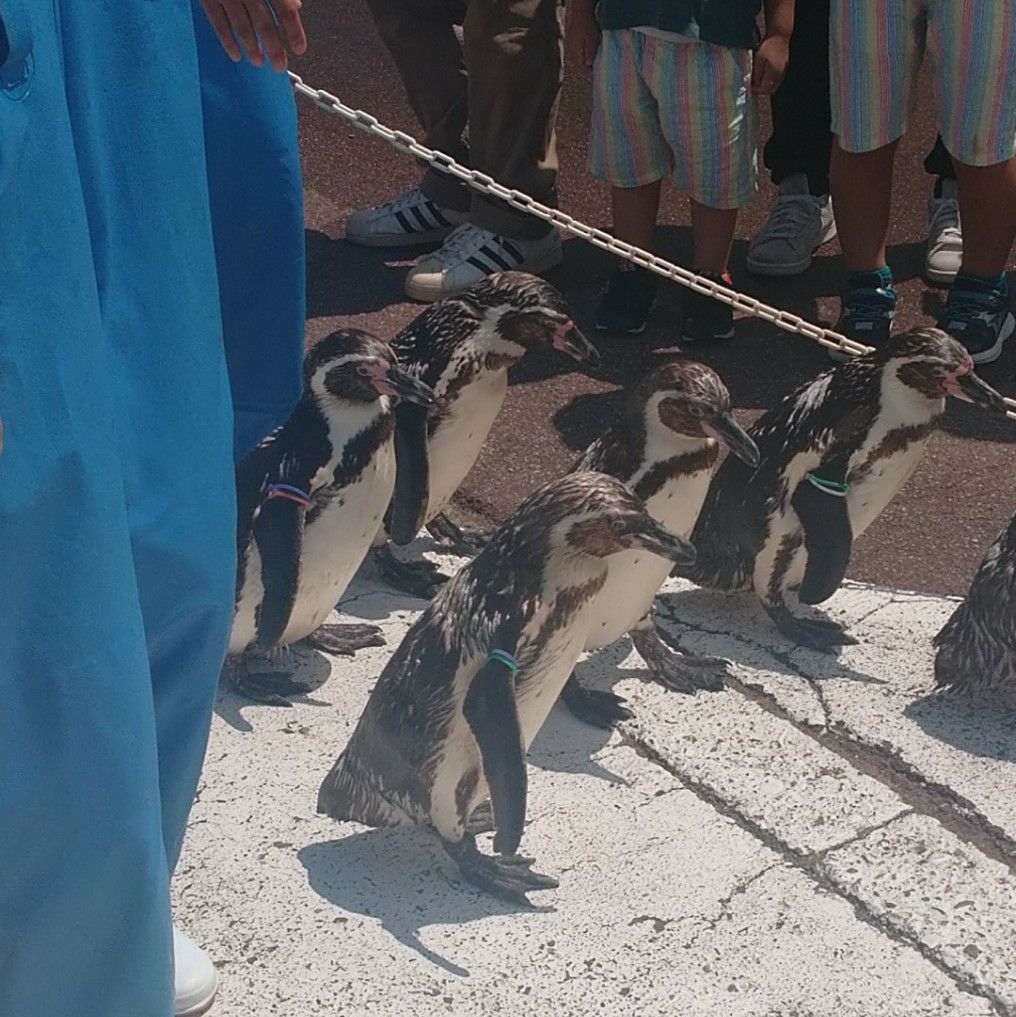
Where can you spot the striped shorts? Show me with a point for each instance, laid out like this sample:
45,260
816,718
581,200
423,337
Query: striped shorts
876,49
678,106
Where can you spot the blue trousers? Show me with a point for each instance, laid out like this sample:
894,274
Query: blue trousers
116,495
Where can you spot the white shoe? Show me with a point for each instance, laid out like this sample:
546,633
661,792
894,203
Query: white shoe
470,254
945,237
405,221
196,978
799,223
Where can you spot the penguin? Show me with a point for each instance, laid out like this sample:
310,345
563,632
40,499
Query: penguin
976,648
447,726
834,454
310,498
462,347
664,445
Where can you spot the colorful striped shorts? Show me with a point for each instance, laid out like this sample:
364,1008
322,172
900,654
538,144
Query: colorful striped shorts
876,48
678,106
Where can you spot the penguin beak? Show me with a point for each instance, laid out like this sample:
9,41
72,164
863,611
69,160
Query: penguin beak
650,536
405,386
568,339
725,429
972,389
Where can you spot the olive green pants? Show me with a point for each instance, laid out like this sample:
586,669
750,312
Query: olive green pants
490,101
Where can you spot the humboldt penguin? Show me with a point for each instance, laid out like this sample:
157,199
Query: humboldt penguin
977,645
462,347
448,724
834,454
310,498
664,445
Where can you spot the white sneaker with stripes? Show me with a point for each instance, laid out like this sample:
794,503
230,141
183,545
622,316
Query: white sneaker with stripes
405,221
470,254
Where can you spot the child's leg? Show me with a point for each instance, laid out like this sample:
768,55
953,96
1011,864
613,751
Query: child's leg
862,188
634,211
988,211
713,234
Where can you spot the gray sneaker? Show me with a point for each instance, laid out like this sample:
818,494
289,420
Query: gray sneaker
945,237
799,223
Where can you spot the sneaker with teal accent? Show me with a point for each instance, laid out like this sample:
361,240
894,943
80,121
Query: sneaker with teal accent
866,310
978,315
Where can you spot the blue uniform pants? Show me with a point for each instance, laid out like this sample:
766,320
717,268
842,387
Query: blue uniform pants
116,502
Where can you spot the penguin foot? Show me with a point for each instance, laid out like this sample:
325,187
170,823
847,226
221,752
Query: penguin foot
509,877
674,669
420,578
482,820
599,709
708,673
267,687
345,640
820,634
467,541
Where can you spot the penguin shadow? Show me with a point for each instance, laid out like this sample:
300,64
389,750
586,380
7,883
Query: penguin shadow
308,666
981,726
401,878
343,279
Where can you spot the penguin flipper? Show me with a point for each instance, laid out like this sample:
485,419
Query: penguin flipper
493,717
278,530
828,538
405,516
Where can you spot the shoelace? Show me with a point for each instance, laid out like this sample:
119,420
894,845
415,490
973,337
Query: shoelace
790,214
462,243
402,202
945,218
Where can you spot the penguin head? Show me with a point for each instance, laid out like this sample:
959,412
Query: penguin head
689,399
934,364
529,313
592,515
351,366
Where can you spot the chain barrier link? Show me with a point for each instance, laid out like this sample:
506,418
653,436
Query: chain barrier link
598,238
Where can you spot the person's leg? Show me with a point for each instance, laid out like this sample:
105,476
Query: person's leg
256,196
862,186
713,233
797,153
975,83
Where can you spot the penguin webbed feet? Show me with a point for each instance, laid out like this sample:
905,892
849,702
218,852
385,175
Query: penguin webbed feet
420,578
821,634
345,640
509,877
467,541
604,710
270,688
482,820
673,668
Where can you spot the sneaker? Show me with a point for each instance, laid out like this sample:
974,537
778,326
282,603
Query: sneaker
945,238
866,311
196,978
980,318
406,221
798,225
470,254
627,300
707,319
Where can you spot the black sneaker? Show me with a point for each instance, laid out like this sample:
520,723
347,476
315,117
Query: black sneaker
707,319
866,316
980,319
627,300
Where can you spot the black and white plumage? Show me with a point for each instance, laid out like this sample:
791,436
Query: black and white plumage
297,554
788,524
664,445
463,347
977,645
446,728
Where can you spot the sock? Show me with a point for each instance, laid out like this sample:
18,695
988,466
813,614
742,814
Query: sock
986,284
881,281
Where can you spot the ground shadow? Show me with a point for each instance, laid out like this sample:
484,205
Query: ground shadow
982,727
402,878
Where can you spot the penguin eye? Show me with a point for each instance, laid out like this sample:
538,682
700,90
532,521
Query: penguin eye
364,370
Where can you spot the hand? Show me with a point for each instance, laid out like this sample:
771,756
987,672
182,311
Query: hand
582,36
770,65
251,20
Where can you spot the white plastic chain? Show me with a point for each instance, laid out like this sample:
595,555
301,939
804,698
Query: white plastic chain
598,238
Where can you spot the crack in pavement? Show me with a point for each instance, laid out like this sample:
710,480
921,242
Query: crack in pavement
726,902
809,864
927,797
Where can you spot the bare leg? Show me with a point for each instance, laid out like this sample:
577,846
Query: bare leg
713,233
345,640
862,189
420,578
988,213
634,211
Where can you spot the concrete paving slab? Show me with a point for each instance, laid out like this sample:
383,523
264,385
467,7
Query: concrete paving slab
715,858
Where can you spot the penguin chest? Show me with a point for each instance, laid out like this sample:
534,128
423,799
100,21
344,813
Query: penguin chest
336,542
883,480
455,444
635,577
